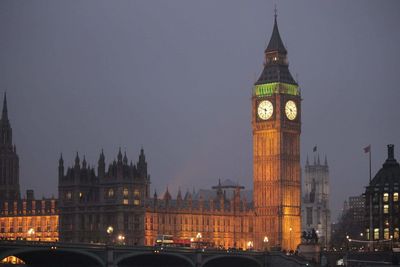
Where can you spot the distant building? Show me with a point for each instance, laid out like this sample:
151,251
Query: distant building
21,218
382,201
356,209
315,206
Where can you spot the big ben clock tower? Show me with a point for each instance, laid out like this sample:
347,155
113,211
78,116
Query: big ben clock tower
276,122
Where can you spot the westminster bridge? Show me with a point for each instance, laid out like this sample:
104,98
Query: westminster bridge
91,255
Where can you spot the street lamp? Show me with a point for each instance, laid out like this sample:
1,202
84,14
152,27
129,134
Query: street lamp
199,236
121,239
265,243
31,233
109,231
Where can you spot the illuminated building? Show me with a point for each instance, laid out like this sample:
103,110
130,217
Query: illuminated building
315,204
26,218
382,201
29,219
119,198
276,121
224,221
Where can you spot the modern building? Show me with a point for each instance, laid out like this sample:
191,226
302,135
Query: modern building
315,204
21,218
382,212
356,209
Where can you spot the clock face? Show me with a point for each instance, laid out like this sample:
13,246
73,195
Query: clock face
265,110
291,110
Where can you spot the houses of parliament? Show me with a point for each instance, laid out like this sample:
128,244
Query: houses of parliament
117,195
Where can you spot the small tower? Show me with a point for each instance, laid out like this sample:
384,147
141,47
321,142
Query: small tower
9,161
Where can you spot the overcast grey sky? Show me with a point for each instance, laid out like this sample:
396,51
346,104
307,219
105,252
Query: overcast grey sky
175,77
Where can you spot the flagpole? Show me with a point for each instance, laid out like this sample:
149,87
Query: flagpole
370,175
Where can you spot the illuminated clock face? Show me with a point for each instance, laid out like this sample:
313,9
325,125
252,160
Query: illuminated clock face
291,110
265,109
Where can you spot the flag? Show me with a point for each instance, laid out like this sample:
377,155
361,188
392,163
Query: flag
367,149
314,149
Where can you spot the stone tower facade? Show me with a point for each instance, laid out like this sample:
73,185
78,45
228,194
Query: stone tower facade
315,205
276,121
9,161
89,204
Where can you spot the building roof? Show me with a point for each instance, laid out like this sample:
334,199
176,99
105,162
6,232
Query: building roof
277,71
390,171
275,43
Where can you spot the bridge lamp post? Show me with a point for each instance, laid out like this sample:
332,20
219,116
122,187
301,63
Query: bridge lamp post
121,239
266,243
31,233
109,231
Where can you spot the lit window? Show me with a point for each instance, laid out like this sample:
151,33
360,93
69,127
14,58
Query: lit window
136,193
385,197
68,195
395,196
126,192
110,192
80,194
376,233
136,202
126,202
275,59
396,233
385,209
386,233
367,231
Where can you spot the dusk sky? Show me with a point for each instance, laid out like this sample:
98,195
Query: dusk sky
176,78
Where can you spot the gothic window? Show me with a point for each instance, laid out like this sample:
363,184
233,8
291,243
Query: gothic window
396,233
136,202
68,196
376,233
110,193
386,233
125,192
396,196
136,193
386,209
385,197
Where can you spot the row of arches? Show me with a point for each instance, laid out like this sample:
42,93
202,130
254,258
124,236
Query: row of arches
39,257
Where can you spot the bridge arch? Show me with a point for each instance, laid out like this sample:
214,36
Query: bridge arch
38,255
231,260
150,259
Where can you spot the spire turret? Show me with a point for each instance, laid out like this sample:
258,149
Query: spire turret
276,67
77,160
275,43
119,157
4,114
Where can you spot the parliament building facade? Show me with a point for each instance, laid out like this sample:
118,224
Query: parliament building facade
113,203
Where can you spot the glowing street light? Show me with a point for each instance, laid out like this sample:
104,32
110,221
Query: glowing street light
31,233
198,236
266,242
110,230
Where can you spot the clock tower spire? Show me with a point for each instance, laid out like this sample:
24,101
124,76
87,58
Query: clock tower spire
276,127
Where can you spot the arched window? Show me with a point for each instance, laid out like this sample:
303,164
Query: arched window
385,197
126,192
110,193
